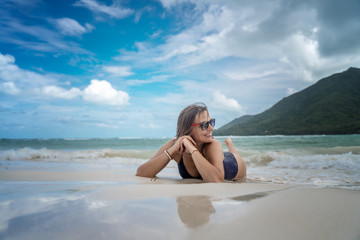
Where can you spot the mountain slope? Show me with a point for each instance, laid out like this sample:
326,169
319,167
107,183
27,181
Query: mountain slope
331,106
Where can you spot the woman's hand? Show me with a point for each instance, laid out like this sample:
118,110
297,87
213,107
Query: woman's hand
187,145
182,144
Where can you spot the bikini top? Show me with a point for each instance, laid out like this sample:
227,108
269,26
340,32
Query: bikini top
182,170
230,167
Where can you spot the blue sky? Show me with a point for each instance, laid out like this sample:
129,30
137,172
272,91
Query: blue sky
91,68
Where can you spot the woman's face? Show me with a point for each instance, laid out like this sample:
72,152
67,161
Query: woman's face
199,135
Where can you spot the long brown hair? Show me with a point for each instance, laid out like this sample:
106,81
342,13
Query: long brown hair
186,118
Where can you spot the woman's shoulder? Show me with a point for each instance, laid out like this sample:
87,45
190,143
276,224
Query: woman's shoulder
214,144
212,149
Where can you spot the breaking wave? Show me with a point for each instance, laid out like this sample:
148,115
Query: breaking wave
47,155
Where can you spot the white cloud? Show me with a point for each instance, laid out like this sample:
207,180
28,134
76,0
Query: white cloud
252,31
168,3
220,101
173,99
65,119
105,125
202,42
9,88
153,79
71,27
58,92
246,75
37,38
101,92
120,71
16,81
290,91
301,54
22,79
6,59
151,126
115,10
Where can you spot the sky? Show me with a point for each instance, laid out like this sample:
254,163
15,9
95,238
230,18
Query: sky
126,68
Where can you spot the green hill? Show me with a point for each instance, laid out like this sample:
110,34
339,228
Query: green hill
330,106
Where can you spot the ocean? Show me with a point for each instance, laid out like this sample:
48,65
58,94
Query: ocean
322,161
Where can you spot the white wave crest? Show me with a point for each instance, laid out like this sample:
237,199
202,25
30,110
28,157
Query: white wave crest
348,161
44,154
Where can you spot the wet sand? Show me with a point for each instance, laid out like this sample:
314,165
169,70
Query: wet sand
109,205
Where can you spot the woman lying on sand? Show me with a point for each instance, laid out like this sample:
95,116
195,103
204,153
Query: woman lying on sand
196,152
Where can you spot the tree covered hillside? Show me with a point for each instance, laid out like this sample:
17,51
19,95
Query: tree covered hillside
330,106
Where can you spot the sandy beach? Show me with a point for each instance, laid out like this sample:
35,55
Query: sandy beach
108,205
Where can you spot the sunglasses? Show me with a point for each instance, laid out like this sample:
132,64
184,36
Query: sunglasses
205,125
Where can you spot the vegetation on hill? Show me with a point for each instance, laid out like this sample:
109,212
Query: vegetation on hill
330,106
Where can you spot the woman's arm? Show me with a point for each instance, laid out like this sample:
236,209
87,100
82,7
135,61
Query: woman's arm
157,162
161,159
210,168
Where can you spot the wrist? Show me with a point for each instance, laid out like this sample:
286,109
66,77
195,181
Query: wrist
193,150
170,151
168,155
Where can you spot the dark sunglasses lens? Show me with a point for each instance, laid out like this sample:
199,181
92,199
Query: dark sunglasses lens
212,122
205,125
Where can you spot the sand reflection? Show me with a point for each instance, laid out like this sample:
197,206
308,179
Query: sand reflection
194,211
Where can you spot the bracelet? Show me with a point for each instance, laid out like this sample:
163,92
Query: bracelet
194,151
167,154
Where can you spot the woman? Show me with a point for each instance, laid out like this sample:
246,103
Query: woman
196,152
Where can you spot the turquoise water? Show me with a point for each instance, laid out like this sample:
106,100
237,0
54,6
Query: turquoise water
315,160
254,143
84,144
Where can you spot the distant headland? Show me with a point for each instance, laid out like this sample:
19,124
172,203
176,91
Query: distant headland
330,106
